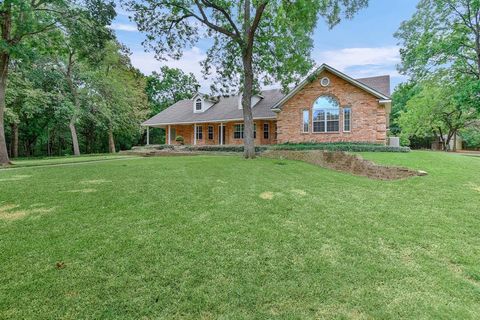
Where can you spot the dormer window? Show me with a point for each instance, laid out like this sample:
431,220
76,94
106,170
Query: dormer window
198,105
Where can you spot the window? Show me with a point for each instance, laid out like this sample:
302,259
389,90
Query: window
198,105
347,119
266,131
254,131
275,133
238,131
199,132
306,120
210,132
326,114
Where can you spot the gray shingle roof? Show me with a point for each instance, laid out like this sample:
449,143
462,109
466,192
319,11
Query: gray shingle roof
380,83
225,109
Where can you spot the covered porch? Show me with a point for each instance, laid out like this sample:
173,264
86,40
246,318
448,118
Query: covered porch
217,133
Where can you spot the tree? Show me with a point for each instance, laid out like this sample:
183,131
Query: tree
116,91
441,108
166,87
254,42
442,34
20,19
400,97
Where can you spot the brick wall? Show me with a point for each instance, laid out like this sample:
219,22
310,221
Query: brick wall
187,132
368,118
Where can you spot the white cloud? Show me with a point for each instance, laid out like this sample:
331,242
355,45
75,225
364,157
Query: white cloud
190,62
124,27
362,62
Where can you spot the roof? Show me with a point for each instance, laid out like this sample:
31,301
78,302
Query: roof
380,84
365,84
226,109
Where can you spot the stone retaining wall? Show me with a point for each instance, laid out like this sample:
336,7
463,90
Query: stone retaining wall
346,162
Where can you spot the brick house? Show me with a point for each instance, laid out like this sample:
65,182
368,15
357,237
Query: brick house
328,106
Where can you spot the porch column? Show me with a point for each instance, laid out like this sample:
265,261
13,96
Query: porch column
148,135
194,134
169,135
221,133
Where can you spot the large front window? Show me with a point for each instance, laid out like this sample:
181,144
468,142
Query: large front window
326,114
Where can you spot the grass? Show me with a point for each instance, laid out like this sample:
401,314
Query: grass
211,237
47,161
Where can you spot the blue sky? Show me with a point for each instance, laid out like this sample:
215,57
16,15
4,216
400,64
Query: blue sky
361,47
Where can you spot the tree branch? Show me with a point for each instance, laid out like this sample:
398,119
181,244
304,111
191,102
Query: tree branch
225,13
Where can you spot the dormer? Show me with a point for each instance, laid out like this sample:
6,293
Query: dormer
256,98
202,103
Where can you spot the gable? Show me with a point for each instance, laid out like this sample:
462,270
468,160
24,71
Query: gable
355,84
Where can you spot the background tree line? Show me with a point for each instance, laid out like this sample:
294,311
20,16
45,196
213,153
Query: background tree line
440,52
68,86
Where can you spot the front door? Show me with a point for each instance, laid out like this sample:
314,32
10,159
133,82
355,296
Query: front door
221,134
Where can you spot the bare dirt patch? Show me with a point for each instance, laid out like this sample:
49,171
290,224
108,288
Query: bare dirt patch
267,195
98,181
342,161
82,190
10,212
298,192
16,177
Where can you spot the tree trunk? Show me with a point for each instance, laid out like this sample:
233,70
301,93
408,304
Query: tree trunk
73,131
15,140
4,60
76,103
111,141
249,142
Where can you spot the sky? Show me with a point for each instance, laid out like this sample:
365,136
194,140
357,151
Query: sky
361,47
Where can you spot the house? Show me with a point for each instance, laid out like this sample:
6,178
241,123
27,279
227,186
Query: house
328,106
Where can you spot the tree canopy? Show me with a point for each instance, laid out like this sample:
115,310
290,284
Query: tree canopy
254,42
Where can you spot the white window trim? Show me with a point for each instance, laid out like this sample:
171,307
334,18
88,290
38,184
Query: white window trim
267,131
195,105
242,132
308,121
349,120
208,132
197,132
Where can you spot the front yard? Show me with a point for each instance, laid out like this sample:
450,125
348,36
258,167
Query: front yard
220,237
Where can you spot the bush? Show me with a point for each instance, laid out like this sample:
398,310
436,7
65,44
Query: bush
340,146
228,148
180,139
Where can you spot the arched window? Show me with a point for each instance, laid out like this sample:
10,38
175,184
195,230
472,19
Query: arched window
198,105
326,112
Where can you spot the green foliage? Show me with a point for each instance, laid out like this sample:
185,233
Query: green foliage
441,107
442,34
471,136
281,44
224,148
180,139
340,146
400,97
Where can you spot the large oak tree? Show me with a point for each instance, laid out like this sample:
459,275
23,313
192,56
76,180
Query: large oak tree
255,42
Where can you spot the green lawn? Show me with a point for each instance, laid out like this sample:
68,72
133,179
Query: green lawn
220,237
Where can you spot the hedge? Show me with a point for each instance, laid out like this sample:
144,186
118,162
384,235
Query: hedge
224,148
340,146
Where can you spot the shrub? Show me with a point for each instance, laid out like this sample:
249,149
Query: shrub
340,146
180,139
228,148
